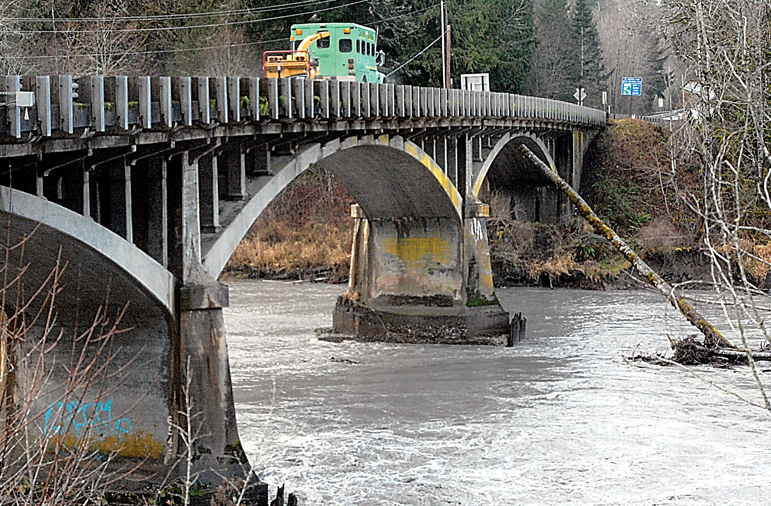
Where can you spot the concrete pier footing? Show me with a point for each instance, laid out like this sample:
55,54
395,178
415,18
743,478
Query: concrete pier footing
411,324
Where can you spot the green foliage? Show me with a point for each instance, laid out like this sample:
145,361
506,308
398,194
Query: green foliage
495,37
479,301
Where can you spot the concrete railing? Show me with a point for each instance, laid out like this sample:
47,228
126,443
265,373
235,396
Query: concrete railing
112,104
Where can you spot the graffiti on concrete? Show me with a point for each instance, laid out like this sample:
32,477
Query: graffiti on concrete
61,418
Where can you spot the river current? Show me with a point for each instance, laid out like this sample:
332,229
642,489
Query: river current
561,418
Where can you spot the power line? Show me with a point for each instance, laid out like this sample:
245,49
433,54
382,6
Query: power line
190,27
154,51
255,10
420,53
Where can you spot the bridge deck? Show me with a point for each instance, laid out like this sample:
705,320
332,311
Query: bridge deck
124,106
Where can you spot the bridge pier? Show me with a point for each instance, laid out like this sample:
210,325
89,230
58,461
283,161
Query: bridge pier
205,394
421,280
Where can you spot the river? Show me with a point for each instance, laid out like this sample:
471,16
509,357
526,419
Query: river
561,418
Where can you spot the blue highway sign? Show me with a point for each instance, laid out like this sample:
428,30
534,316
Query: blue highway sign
631,85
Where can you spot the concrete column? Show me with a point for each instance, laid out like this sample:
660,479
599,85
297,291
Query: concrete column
478,270
206,375
233,164
580,142
69,191
191,219
258,160
120,200
209,193
563,159
408,282
158,211
440,153
358,278
86,209
452,161
466,164
203,346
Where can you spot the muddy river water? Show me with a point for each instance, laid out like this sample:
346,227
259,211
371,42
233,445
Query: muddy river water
561,418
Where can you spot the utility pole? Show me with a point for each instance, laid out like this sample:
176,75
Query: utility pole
443,28
448,79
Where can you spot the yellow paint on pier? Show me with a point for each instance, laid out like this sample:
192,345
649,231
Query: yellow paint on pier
414,251
138,444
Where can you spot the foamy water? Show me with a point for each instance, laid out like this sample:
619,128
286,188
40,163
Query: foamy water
561,418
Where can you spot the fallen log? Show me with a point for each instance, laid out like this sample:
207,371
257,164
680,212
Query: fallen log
712,337
736,353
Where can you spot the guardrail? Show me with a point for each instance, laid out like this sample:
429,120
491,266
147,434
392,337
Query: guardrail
64,104
667,119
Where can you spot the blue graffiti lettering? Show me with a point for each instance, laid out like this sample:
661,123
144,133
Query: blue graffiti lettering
61,418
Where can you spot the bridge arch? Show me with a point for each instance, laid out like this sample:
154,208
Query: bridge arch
100,254
508,146
389,177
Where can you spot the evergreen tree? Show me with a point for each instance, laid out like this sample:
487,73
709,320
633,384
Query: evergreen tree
551,73
589,69
495,37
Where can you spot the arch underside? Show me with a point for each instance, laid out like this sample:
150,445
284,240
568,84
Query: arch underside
102,268
387,176
98,313
507,167
508,173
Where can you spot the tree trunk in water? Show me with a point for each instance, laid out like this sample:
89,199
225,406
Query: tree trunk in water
712,337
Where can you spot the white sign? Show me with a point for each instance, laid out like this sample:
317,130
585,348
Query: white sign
580,95
476,82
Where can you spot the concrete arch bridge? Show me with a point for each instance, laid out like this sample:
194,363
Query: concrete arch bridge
144,186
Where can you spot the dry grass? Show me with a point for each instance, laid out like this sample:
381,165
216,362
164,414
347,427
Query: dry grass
662,235
759,268
306,232
279,248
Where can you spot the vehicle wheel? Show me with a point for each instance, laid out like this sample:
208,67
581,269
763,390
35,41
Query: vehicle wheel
364,79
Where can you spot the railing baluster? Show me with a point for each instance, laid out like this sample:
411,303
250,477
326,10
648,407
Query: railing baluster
286,95
185,86
145,116
165,101
222,99
204,112
356,99
298,94
334,98
234,99
43,102
323,94
11,85
384,91
401,110
254,98
345,96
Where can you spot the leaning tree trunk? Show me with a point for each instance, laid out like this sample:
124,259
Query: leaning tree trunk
712,337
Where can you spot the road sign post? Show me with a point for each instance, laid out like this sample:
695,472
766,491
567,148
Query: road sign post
580,95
